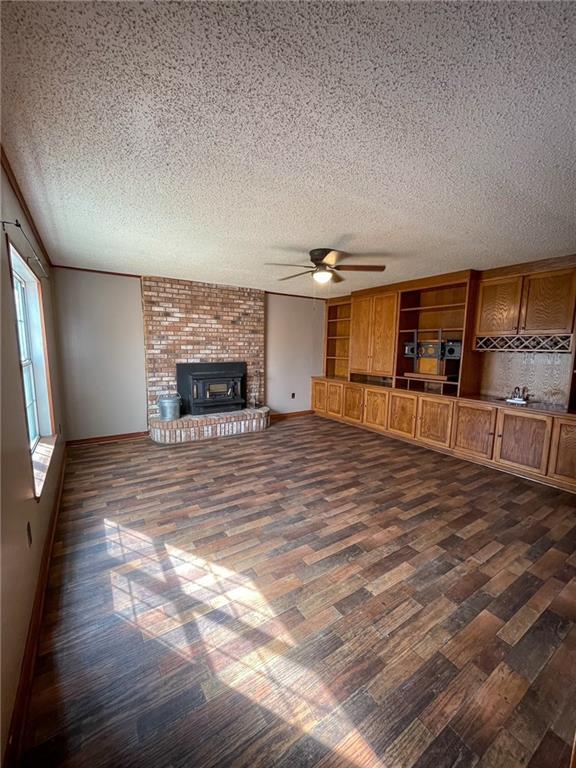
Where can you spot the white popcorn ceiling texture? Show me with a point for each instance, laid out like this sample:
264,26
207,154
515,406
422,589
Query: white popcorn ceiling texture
198,140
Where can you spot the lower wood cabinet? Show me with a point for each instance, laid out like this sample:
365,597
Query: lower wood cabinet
529,442
473,429
562,464
434,420
318,395
523,440
402,413
376,408
334,399
353,402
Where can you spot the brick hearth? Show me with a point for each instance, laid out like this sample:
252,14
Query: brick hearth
190,428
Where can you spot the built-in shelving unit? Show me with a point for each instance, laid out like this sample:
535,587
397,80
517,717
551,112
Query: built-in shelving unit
337,358
430,336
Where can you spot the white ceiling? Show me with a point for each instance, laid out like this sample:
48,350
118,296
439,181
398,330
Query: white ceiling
198,140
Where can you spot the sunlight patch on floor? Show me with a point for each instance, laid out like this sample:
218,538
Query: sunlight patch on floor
182,600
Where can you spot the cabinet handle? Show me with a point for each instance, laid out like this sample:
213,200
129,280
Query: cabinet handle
491,434
498,435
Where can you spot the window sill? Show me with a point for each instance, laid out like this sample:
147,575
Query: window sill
41,458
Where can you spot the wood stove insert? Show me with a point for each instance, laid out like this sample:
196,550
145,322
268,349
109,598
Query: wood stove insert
207,388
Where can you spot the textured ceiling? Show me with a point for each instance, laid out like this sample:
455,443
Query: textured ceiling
199,140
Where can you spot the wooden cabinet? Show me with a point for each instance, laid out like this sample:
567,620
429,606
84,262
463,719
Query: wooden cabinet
548,302
523,440
402,413
353,402
536,304
562,464
373,334
434,420
498,309
376,408
474,429
360,334
384,334
318,395
334,398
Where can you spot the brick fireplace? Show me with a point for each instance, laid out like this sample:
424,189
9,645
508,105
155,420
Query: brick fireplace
189,322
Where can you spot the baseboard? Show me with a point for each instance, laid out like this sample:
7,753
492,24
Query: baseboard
290,415
22,700
108,438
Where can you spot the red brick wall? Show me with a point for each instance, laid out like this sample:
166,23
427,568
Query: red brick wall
186,322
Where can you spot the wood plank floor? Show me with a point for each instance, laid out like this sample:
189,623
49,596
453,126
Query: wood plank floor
315,595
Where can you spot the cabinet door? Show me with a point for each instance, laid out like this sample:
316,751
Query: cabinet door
563,450
474,429
523,440
498,311
318,395
353,402
384,334
548,302
402,413
434,420
334,399
376,408
360,334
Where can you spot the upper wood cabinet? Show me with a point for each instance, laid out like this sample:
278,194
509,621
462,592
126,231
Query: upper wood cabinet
360,334
548,302
318,395
536,304
523,440
498,311
385,307
373,334
562,464
334,398
376,408
434,420
353,402
402,413
474,429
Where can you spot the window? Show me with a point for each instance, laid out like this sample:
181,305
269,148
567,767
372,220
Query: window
33,362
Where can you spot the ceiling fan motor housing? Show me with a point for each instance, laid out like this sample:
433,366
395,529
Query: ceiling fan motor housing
317,255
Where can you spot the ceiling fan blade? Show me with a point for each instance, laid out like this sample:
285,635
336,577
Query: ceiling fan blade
278,264
336,278
359,268
298,274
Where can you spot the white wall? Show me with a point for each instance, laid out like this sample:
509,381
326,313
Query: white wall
101,334
294,342
21,563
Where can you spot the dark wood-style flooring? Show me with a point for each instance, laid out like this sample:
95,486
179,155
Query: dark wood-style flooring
315,595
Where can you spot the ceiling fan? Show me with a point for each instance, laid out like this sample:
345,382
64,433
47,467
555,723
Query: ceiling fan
326,266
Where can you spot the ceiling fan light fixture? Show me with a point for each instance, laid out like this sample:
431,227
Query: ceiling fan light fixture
322,276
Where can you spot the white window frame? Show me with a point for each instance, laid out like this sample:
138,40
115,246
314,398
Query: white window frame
32,350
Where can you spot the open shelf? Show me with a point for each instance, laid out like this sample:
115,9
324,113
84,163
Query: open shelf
429,319
433,308
337,346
